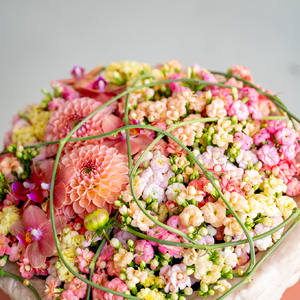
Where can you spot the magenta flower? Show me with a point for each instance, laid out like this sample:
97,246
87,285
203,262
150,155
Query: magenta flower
286,136
239,109
263,135
34,232
143,251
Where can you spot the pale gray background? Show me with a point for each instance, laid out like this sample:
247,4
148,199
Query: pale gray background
41,40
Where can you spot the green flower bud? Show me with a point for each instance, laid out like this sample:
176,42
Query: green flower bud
182,298
204,288
174,297
142,265
96,220
118,203
225,269
174,168
234,93
188,291
179,178
211,292
189,271
130,243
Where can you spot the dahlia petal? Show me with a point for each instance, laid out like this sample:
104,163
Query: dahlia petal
91,208
77,208
59,195
18,228
84,202
36,258
66,175
34,217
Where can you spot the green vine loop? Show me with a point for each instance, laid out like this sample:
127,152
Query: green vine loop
21,279
161,135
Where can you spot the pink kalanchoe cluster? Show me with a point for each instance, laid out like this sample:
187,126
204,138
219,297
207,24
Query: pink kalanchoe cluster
158,198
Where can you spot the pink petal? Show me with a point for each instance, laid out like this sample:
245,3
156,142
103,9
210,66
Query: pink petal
34,217
49,171
143,141
111,122
18,228
122,147
66,175
46,242
59,195
36,196
36,258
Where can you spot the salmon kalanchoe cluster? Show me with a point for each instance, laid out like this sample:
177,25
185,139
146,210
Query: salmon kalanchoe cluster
195,169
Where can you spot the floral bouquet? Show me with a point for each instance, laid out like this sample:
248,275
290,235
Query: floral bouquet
134,182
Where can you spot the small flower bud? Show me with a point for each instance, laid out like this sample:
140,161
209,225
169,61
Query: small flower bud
179,178
204,288
164,263
182,298
208,95
130,285
130,243
169,122
174,297
190,229
189,271
57,265
225,269
203,231
151,118
234,93
227,238
268,222
96,220
211,292
102,264
142,265
174,168
118,203
188,291
115,243
122,276
154,263
167,256
123,210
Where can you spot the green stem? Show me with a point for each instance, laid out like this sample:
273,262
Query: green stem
294,215
93,263
21,279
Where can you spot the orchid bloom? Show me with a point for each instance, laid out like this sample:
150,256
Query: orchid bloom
40,184
34,232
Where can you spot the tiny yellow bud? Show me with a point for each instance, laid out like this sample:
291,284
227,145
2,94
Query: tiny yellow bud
240,272
26,282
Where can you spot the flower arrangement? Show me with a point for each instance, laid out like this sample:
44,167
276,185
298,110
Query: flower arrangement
135,182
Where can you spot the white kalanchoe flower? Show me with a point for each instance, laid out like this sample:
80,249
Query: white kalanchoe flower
174,190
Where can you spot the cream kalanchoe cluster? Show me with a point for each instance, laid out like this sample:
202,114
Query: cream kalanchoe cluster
193,163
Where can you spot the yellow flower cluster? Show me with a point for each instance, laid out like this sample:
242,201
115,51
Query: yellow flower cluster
150,279
38,119
270,202
70,241
8,215
148,294
125,72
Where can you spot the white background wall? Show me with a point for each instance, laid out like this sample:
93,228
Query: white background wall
41,41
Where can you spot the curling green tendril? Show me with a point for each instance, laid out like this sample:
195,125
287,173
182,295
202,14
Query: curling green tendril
252,266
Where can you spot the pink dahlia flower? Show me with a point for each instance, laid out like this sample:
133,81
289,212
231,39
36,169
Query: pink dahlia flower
70,114
268,155
34,232
101,174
